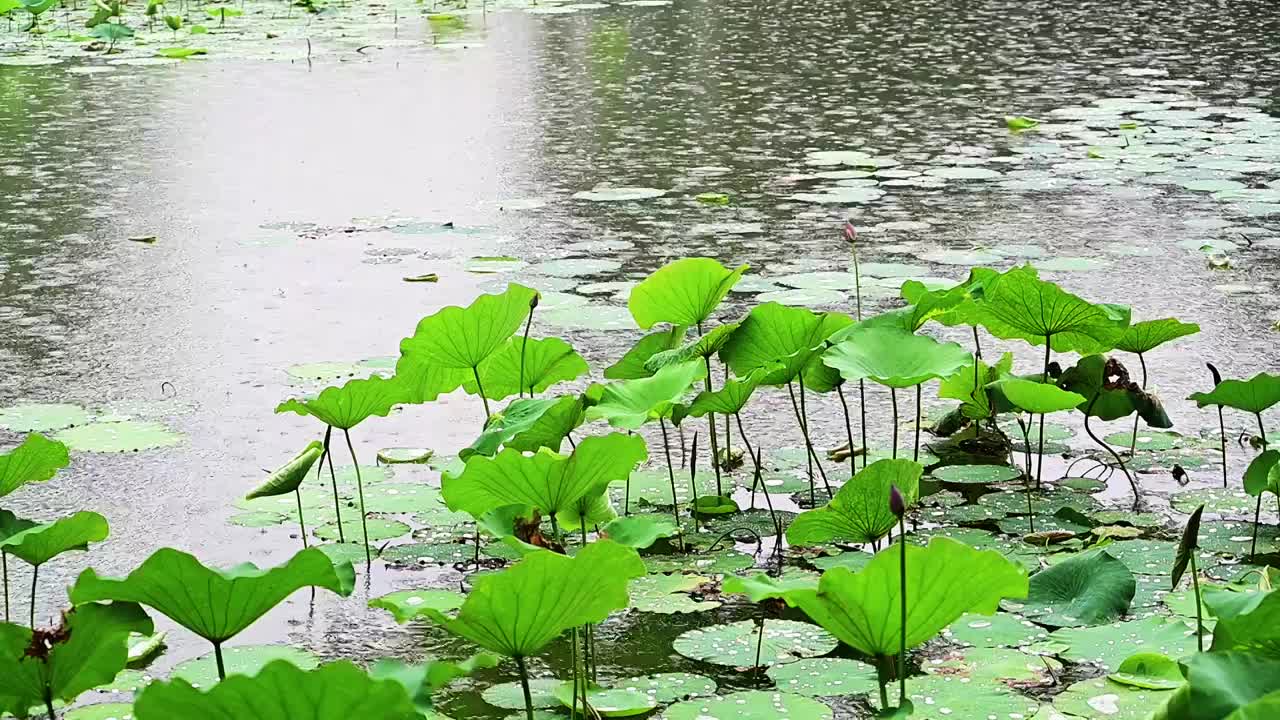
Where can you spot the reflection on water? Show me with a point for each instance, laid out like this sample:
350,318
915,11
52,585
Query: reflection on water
377,150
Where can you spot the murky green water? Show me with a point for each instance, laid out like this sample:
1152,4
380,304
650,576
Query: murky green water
290,198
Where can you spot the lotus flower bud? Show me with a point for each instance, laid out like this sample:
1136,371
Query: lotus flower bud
533,301
896,504
1217,376
850,233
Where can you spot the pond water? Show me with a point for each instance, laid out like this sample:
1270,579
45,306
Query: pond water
289,198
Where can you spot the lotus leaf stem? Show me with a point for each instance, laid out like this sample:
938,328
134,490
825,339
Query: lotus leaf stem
693,480
524,685
35,575
475,372
1133,440
1137,496
902,573
524,344
1195,588
333,480
804,430
1026,478
1040,441
848,431
760,640
757,479
804,412
671,475
893,396
4,562
862,408
729,534
217,656
1257,512
364,526
302,526
48,706
1222,429
915,453
711,424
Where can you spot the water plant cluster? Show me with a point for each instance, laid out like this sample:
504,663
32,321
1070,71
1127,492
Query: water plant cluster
946,575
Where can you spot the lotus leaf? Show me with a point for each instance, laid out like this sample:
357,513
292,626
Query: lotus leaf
628,404
353,402
859,512
37,459
794,337
1254,395
290,475
684,292
547,361
893,357
1019,305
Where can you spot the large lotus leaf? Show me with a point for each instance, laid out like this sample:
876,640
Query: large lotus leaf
461,338
859,512
963,385
289,476
697,349
1108,645
37,459
1247,621
968,310
945,580
39,544
1259,477
422,681
639,531
628,404
546,480
593,509
893,357
1090,588
1264,708
547,361
632,364
1220,684
518,611
794,337
1254,395
684,292
731,397
11,524
424,379
88,650
1017,304
1036,397
734,644
749,705
1147,335
337,691
1088,378
762,587
214,604
406,605
528,424
925,305
350,404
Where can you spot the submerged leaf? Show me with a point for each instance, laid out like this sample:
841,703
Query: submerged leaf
684,292
567,592
859,512
214,604
37,459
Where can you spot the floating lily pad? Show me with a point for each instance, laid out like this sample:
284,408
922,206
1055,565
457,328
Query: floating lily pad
852,559
116,437
1108,645
976,474
749,705
607,701
242,660
1104,698
962,257
105,711
718,563
734,644
1149,557
1147,439
619,194
425,553
669,687
405,605
819,280
42,418
1218,501
394,456
401,498
803,297
379,529
257,519
577,267
127,682
944,697
996,665
1236,537
999,630
510,695
589,316
667,594
964,173
824,677
1068,264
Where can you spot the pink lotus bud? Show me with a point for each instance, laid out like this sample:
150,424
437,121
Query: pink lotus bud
896,504
850,233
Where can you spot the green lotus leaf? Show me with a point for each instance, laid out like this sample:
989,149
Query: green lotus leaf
1254,395
1090,588
1037,397
794,337
423,379
1187,545
1145,336
547,361
422,681
545,480
1264,708
593,509
336,691
639,531
683,292
353,402
632,364
895,358
1258,476
567,592
37,459
1220,684
406,605
111,32
1019,305
703,347
961,386
945,580
925,305
90,650
11,524
461,338
761,587
1246,621
214,604
749,705
859,512
41,543
1088,378
1151,671
731,397
529,424
628,404
289,476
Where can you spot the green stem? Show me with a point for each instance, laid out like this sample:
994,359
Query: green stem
893,396
1133,441
1137,497
475,372
1262,435
48,706
848,430
4,561
524,685
804,412
693,480
1040,441
915,454
882,676
35,575
573,662
671,475
1222,429
902,647
808,444
364,526
1026,481
302,526
523,345
862,408
217,656
760,640
711,425
333,480
758,479
1195,588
